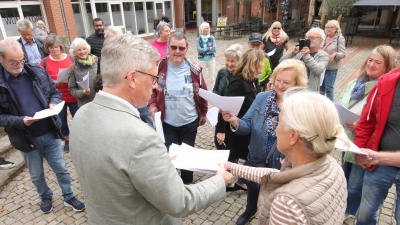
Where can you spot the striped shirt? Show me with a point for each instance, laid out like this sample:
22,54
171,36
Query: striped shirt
284,210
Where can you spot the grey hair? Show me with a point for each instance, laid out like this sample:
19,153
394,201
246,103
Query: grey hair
53,40
321,34
123,53
9,43
202,27
24,24
75,44
235,50
112,29
178,36
160,27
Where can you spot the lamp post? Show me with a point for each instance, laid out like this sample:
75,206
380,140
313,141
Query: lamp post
285,13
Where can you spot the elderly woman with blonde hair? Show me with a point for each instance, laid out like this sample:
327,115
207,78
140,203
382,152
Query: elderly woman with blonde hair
40,30
258,121
276,38
206,48
310,188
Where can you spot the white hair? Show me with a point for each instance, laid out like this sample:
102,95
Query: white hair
24,24
39,22
112,29
235,50
75,44
9,43
203,26
315,118
123,53
321,34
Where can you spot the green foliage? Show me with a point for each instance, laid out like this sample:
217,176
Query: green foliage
336,8
255,19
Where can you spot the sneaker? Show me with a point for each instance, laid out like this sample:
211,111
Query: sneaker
66,146
6,164
46,206
348,216
76,205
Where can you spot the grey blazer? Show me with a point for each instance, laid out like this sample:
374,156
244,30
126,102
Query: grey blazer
125,172
316,65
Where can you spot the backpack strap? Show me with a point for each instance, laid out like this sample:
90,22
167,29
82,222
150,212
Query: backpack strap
44,62
71,58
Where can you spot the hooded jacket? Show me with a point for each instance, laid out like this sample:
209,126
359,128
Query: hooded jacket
157,98
375,113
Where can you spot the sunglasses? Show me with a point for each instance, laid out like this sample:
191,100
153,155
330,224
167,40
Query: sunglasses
276,28
174,47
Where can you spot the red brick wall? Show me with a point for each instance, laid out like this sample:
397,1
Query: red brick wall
178,14
55,19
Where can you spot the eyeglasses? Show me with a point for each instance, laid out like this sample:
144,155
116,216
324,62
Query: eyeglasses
275,122
276,28
330,27
174,47
155,78
312,38
16,63
81,49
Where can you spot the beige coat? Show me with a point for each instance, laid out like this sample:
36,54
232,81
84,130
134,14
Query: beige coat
336,45
319,188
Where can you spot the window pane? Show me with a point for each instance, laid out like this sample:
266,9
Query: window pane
32,13
150,16
89,17
78,20
9,17
102,12
141,20
168,13
116,14
129,16
159,10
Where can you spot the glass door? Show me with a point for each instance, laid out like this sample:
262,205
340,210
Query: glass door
8,23
117,16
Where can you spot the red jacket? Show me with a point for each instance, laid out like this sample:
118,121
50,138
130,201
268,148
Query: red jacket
157,98
375,113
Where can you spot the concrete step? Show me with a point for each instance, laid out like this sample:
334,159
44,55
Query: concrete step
13,155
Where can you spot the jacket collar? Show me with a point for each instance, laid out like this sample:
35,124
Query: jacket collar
115,103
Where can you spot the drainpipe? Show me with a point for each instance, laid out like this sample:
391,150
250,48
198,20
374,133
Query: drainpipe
65,22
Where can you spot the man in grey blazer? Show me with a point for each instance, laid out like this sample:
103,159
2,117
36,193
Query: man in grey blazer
123,166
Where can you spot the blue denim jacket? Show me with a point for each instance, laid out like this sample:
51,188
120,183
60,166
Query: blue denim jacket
201,51
254,122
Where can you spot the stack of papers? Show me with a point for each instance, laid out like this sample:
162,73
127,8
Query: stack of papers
47,112
231,104
346,116
199,160
340,145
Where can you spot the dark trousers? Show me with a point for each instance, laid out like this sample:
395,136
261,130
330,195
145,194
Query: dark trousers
178,135
253,189
73,107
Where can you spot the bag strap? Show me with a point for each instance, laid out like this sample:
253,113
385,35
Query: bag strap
271,151
355,103
71,58
44,62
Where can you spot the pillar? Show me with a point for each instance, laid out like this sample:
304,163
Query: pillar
55,18
178,6
214,12
198,12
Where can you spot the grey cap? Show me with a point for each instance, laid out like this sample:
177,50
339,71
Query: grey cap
255,37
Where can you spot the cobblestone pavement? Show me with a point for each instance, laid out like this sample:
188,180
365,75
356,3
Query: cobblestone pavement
19,202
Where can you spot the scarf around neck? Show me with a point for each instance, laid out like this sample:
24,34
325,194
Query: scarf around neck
358,89
276,39
205,37
271,111
86,62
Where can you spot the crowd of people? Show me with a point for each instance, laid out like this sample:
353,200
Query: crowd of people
285,130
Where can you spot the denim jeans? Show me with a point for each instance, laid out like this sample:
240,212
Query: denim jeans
155,34
375,190
355,177
178,135
145,116
73,107
328,83
49,147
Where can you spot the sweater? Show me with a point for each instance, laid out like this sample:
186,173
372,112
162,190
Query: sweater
95,41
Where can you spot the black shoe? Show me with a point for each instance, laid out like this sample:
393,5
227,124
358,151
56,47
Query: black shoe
6,164
244,218
234,188
66,146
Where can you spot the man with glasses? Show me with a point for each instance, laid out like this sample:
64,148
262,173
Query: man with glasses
315,59
129,177
24,90
33,47
177,98
255,41
378,130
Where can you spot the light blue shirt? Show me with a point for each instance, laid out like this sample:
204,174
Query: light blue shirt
180,108
32,52
129,105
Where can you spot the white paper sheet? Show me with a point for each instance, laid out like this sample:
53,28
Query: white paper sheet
212,116
346,116
47,112
159,127
340,145
199,160
321,78
85,82
271,53
231,104
62,75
